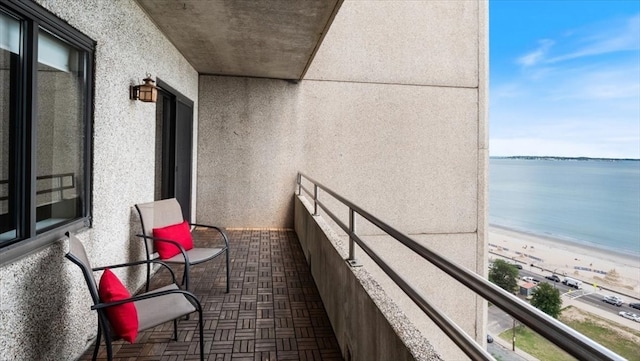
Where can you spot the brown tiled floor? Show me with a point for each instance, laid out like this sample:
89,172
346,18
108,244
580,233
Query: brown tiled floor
272,312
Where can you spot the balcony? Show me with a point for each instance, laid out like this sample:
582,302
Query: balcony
291,290
392,104
272,312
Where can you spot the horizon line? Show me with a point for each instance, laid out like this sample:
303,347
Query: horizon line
559,157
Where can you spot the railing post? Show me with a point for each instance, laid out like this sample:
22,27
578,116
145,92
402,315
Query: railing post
315,199
352,246
299,183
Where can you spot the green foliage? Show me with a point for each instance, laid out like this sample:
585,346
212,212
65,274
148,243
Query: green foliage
535,345
547,299
617,338
504,275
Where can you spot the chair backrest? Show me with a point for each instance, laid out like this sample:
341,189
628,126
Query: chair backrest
78,255
158,214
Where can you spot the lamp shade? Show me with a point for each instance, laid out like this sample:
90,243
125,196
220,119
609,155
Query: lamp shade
148,92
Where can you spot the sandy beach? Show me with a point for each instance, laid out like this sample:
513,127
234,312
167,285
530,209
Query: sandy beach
593,266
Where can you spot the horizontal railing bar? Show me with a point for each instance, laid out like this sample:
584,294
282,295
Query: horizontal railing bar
60,176
550,328
455,333
448,326
305,190
563,336
40,177
51,190
344,227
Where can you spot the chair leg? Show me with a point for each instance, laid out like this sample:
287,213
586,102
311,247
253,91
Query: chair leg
185,277
200,321
228,270
148,276
97,346
185,281
109,349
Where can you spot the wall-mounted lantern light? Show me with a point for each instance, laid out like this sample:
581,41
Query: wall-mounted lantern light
146,92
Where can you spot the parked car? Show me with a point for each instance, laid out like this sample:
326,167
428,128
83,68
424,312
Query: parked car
528,279
614,300
553,278
630,316
635,305
516,265
489,339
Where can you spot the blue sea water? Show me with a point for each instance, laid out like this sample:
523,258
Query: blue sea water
596,202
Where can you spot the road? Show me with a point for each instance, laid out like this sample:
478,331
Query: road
587,294
499,321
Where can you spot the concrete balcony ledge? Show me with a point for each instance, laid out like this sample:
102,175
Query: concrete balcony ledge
367,322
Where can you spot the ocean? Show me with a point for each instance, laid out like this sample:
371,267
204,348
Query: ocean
594,202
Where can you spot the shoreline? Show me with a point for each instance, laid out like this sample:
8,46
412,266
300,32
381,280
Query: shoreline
596,267
581,247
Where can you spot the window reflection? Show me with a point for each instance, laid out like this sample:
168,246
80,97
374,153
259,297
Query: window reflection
9,62
60,130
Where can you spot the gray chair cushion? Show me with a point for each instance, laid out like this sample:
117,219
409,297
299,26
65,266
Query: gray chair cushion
158,310
196,255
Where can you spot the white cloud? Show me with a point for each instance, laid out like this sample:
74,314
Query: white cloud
538,55
589,106
609,81
611,37
597,129
621,37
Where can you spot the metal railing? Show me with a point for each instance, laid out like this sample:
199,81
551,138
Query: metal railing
57,179
571,341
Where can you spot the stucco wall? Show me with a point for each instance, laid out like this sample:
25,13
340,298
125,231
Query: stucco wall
391,115
44,304
374,118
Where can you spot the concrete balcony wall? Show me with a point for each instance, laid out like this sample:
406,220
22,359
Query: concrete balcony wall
367,322
44,303
391,114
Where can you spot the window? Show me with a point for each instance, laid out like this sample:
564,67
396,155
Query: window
45,128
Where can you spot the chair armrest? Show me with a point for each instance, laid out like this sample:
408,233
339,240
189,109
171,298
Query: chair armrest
182,250
190,297
219,229
137,263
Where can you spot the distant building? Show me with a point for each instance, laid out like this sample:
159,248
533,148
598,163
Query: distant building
527,288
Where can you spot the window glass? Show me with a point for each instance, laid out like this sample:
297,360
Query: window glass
60,132
45,128
9,62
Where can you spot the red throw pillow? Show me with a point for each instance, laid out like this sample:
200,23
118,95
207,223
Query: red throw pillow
123,318
180,233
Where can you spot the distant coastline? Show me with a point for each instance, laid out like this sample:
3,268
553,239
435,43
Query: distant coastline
589,264
629,254
535,157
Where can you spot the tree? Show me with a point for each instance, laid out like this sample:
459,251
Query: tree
504,275
547,299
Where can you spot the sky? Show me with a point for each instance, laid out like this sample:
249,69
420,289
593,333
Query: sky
564,78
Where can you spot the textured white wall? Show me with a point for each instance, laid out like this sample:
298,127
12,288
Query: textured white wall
44,304
391,115
408,153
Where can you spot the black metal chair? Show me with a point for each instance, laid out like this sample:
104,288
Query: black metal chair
168,303
165,213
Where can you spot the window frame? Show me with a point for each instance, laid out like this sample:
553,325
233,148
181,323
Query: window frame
33,17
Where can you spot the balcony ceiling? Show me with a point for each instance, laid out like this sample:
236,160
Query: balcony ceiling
256,38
